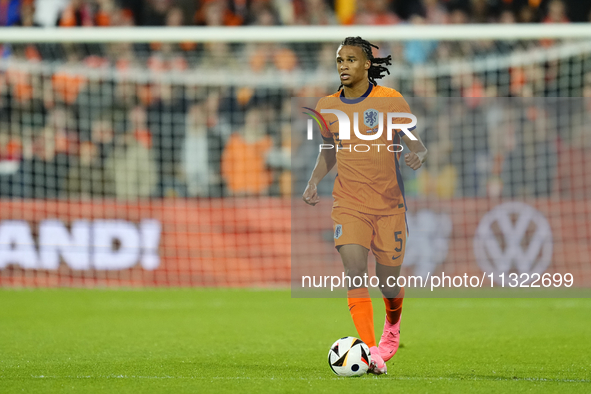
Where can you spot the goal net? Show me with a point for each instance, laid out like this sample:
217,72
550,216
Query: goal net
170,157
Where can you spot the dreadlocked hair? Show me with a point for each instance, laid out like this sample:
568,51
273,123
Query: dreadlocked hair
376,70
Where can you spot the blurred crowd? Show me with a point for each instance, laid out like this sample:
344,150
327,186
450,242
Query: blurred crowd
64,138
103,138
109,121
67,13
160,56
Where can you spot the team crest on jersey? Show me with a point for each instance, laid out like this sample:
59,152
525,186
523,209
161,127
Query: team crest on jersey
370,118
338,231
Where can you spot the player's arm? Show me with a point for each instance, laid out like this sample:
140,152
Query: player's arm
418,151
324,163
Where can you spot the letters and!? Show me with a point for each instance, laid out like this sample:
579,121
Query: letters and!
98,244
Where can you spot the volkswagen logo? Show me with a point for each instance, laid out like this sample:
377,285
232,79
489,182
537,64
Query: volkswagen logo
513,237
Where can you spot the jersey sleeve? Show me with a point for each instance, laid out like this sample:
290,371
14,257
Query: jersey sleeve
326,134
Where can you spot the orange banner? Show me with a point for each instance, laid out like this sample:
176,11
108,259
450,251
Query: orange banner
268,242
222,242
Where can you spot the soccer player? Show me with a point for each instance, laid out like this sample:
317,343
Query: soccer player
369,209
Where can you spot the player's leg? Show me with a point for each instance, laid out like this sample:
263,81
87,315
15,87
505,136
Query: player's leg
352,235
354,259
393,297
388,247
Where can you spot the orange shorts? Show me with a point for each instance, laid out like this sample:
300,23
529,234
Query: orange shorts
385,236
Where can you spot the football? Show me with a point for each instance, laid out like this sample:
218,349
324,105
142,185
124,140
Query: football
349,356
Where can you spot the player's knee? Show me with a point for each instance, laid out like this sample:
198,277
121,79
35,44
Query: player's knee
390,292
388,276
355,270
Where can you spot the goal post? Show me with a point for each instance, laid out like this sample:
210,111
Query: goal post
178,156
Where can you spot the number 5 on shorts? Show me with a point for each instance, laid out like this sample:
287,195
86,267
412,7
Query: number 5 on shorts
399,240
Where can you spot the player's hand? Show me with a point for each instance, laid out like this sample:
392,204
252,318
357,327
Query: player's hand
413,161
311,195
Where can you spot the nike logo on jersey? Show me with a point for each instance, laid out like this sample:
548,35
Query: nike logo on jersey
394,258
331,123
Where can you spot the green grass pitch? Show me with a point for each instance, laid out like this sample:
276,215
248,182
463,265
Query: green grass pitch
246,341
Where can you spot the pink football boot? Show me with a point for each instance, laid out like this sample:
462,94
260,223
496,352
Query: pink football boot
390,340
377,366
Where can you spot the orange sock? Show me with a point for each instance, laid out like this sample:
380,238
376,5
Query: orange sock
361,311
394,307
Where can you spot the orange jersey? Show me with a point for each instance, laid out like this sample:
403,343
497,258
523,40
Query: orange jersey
243,165
370,181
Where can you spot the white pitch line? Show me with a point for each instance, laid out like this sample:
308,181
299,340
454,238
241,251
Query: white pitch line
425,378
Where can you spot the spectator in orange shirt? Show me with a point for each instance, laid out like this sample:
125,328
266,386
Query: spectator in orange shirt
66,81
244,158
